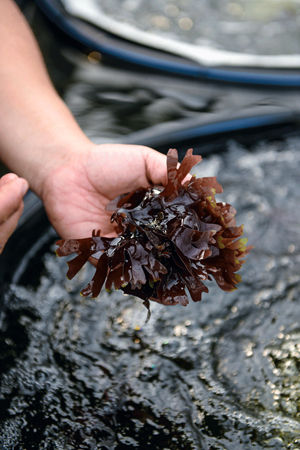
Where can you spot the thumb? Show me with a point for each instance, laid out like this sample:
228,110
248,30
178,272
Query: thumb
156,167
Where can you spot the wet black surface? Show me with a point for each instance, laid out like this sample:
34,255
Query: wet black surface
224,373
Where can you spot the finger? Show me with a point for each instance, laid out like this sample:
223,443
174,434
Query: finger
8,227
156,166
7,177
11,194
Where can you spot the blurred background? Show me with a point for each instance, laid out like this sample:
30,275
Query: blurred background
114,86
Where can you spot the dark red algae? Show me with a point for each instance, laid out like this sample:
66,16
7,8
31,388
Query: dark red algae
170,239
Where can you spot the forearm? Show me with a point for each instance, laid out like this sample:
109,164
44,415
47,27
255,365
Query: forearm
37,131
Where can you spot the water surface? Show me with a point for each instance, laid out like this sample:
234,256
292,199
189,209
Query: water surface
269,27
220,374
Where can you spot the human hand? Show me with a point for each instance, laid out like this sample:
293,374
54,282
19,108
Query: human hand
75,194
12,190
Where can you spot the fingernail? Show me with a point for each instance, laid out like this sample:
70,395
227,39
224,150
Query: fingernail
8,177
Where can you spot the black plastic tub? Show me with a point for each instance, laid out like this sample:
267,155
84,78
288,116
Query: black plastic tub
223,373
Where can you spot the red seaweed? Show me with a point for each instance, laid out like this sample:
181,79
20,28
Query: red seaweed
170,239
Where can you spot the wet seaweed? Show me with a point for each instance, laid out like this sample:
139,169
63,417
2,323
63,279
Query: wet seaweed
170,240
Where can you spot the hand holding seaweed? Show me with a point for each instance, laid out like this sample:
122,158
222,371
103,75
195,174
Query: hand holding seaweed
76,192
169,239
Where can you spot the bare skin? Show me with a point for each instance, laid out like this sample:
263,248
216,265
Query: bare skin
85,186
12,190
42,143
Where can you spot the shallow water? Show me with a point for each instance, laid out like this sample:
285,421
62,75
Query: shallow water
259,26
223,373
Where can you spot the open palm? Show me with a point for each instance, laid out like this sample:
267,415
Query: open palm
76,194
